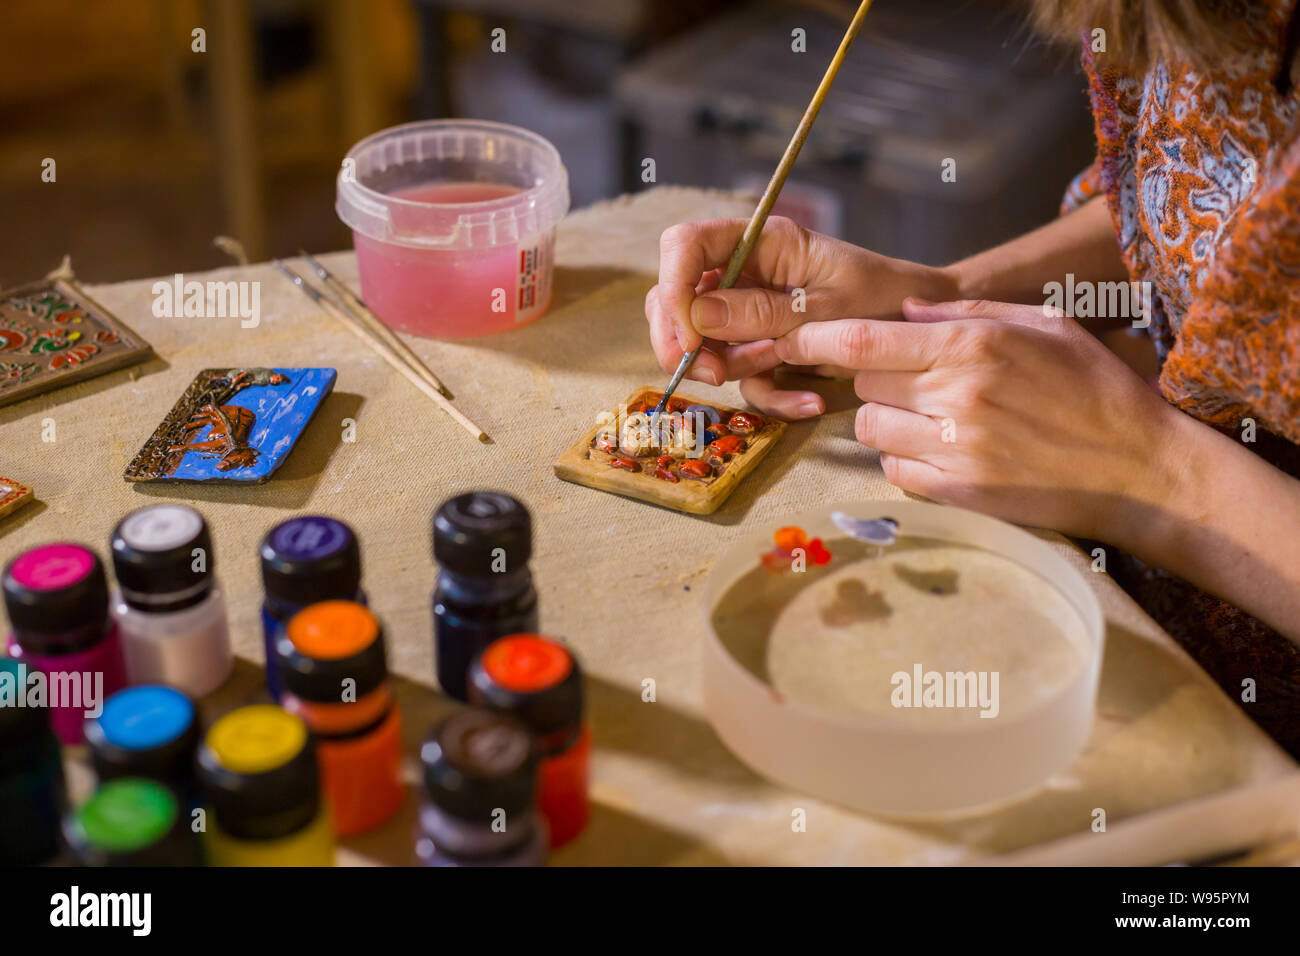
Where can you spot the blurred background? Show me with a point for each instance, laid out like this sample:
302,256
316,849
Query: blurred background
160,146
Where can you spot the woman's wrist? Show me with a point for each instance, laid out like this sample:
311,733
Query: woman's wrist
1162,499
935,283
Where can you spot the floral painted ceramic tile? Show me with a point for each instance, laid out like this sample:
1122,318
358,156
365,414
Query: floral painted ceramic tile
52,334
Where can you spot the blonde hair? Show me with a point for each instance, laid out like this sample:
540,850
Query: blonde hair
1139,32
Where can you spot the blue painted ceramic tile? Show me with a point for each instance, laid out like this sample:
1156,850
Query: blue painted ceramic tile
233,425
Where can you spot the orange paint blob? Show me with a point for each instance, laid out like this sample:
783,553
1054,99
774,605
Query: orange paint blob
789,538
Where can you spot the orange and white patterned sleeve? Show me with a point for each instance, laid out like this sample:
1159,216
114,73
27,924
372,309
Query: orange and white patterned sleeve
1237,353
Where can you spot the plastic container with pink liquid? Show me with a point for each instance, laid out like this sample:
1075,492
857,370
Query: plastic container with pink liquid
56,596
454,224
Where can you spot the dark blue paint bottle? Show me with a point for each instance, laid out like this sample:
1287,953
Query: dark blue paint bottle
484,591
305,560
32,793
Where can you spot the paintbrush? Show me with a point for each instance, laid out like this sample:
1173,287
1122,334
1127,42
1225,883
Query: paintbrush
773,190
362,311
386,352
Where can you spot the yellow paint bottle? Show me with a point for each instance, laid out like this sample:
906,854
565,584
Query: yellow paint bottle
260,780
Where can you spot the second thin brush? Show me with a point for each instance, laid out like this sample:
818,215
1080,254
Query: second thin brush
385,351
357,307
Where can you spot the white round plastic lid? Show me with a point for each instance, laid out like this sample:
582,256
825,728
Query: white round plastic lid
452,151
954,668
161,527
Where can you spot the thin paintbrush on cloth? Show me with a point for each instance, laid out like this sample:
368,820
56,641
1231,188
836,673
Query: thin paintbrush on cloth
385,351
357,307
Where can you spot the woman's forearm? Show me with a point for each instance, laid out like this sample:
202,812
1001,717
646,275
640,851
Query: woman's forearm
1229,523
1082,242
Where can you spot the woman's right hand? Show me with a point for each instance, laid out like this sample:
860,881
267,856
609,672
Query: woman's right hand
737,326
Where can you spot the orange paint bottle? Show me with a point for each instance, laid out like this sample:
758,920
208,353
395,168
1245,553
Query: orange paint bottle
334,672
538,682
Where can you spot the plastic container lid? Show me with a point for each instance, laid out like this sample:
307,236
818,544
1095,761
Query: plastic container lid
329,642
888,762
154,557
309,559
477,762
145,731
482,533
532,678
258,769
452,151
54,589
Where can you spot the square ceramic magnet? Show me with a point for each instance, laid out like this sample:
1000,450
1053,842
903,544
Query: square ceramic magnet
13,495
52,334
690,459
233,425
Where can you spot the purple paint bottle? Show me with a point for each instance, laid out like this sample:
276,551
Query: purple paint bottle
480,780
57,599
305,561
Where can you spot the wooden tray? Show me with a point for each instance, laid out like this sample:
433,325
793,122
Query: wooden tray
692,497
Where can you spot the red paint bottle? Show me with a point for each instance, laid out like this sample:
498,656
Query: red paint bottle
538,682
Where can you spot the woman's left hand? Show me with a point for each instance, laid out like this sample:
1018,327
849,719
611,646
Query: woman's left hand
1006,410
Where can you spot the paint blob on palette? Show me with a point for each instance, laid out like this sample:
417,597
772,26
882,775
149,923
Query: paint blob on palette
52,334
13,495
233,425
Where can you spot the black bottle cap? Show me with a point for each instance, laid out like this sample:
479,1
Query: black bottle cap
327,643
257,766
309,559
162,556
469,529
477,762
56,589
25,734
146,731
533,679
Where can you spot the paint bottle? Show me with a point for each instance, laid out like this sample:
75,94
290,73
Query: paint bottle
257,767
305,560
538,682
480,778
147,731
32,792
57,599
169,610
130,822
334,673
484,590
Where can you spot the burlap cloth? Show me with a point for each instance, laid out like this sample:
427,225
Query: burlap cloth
612,573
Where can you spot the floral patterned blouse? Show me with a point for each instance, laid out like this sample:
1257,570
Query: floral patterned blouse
1201,173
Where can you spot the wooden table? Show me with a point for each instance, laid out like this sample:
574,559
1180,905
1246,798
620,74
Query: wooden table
665,788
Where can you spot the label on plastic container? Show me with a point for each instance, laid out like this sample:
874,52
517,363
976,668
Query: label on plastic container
533,288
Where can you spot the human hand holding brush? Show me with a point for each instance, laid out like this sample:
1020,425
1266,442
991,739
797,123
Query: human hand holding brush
977,401
738,325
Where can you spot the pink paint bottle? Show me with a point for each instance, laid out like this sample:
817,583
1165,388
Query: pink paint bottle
454,224
57,600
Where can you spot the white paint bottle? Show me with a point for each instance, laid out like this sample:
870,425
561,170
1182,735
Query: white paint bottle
169,610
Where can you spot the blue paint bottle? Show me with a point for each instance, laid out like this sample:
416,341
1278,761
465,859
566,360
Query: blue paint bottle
148,731
304,561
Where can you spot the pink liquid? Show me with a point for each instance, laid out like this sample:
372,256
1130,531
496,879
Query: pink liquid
454,293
